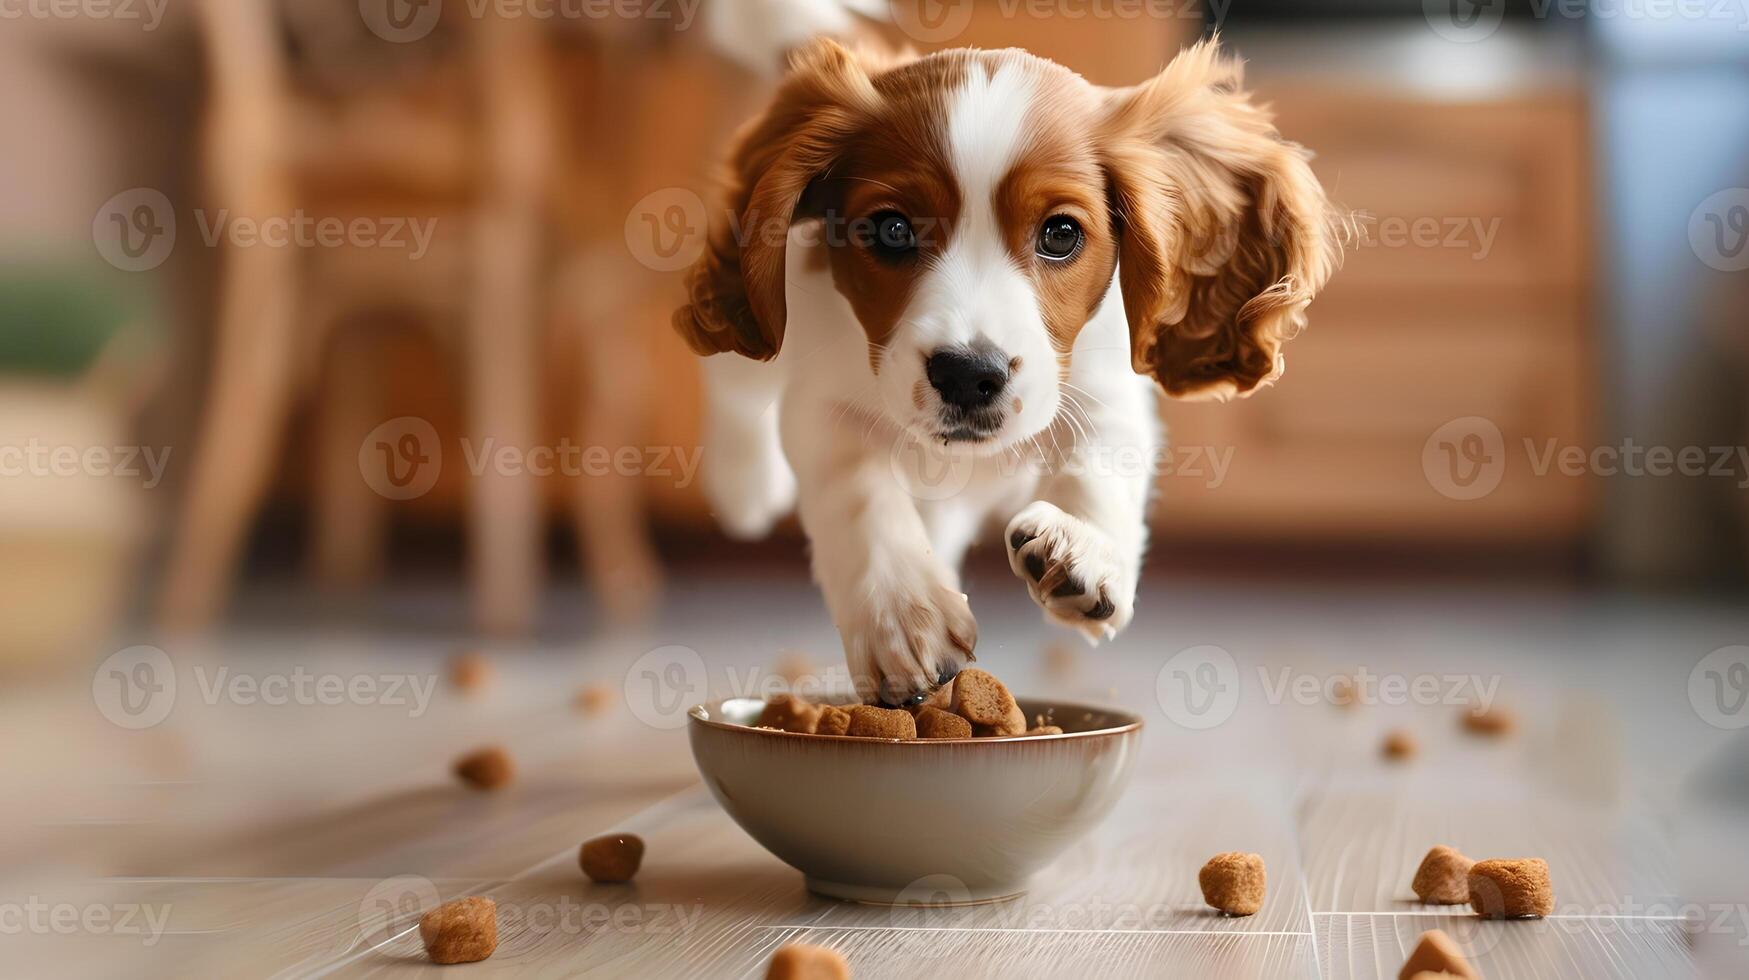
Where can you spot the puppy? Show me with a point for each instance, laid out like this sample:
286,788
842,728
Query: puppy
952,283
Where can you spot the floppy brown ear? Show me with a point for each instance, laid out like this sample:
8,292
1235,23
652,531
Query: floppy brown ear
736,289
1224,233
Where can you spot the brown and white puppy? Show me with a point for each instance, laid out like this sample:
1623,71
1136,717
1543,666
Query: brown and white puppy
950,279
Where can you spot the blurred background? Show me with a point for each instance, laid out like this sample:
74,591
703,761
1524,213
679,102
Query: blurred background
240,242
342,325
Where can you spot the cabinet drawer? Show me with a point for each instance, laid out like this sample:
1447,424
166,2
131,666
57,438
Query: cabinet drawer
1338,446
1452,194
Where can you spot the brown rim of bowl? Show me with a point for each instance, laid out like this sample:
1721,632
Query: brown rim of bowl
1133,724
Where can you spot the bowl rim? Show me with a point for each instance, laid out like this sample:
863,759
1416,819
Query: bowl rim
696,716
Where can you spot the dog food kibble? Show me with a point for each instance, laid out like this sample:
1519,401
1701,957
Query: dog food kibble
1443,878
489,768
1013,724
1342,692
981,699
462,931
470,672
1233,882
833,721
941,697
868,721
1436,955
593,699
791,714
971,705
611,859
936,723
1489,721
799,961
1399,746
1511,888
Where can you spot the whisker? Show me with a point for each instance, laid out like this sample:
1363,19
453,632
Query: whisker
1066,407
1080,390
871,180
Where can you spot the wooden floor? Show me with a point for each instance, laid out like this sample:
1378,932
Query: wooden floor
301,839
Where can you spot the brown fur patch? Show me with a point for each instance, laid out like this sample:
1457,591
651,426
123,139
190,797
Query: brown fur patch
1058,175
896,162
1225,234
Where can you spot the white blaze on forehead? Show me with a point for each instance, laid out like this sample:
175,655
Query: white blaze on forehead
975,288
986,126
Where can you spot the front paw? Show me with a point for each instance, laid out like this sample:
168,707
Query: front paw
904,640
1070,569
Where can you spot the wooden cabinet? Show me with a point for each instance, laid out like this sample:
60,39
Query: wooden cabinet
1465,296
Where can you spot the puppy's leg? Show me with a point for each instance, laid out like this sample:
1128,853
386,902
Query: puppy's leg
906,626
746,479
1079,546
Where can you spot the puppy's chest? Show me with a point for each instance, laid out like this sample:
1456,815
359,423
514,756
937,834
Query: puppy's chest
937,479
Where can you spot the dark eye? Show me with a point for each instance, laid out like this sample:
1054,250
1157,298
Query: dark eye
892,234
1059,237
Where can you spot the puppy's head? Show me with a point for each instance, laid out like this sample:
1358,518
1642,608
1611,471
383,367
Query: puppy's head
974,205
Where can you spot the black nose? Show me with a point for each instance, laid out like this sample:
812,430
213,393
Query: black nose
967,378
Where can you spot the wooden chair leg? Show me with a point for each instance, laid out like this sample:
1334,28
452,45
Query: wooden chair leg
505,521
508,261
614,545
349,518
240,432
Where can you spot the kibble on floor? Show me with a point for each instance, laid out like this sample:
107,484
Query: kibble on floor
611,858
1399,746
489,768
1443,877
1492,722
470,672
594,699
800,961
1511,888
1436,954
462,931
1233,882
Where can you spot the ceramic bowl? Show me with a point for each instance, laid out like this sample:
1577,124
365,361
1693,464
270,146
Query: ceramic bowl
928,822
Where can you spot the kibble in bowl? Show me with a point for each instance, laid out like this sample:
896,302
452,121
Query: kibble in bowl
977,815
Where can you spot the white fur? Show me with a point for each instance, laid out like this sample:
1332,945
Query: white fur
974,291
888,508
757,33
